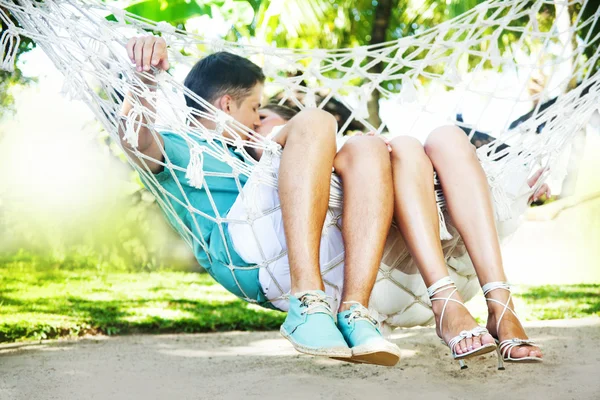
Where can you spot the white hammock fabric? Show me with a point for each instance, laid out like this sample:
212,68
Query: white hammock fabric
89,51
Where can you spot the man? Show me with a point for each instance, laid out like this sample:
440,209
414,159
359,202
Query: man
234,85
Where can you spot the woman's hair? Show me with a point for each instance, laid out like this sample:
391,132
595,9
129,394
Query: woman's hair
283,111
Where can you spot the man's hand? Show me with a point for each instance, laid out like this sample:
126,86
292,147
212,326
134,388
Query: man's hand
148,51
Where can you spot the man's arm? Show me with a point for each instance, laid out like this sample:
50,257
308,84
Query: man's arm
145,52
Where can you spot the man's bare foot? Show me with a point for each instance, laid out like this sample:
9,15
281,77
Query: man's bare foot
510,326
456,319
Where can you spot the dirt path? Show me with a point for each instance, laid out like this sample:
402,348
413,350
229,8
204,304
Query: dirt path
262,365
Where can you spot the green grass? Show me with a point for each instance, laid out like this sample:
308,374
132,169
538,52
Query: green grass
561,302
43,302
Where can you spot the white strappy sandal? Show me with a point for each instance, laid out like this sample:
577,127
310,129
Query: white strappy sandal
447,284
505,347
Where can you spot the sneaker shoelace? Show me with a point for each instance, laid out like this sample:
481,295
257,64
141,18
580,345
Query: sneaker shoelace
360,312
315,303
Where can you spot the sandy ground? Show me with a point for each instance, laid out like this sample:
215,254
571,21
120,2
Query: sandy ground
242,365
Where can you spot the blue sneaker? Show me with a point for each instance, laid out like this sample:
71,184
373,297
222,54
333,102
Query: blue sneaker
310,326
362,334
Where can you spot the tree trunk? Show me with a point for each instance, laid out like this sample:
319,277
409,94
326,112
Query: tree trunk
383,13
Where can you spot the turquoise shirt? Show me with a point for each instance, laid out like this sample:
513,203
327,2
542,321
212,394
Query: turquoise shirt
223,191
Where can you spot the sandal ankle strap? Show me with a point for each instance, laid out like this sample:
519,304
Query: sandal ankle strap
488,287
443,284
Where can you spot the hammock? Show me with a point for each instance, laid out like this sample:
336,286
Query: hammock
459,57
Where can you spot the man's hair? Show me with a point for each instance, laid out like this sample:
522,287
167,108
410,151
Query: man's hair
283,111
222,74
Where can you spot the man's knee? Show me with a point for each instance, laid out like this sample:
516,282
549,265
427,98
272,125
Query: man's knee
315,118
449,140
364,152
406,147
312,125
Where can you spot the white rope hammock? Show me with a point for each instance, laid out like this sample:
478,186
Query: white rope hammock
454,57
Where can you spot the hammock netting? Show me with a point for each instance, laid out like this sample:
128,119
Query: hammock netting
85,40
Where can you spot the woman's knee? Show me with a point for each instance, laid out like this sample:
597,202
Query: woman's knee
449,140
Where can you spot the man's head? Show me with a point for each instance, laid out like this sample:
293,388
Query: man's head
229,82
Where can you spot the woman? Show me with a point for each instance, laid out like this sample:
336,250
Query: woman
448,151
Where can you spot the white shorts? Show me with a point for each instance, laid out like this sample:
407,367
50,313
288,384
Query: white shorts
260,238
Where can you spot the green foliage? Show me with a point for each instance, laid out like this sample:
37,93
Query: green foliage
9,79
591,32
129,236
334,24
239,13
174,11
44,300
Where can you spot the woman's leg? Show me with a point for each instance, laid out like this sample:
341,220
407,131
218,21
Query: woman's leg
364,165
415,212
469,202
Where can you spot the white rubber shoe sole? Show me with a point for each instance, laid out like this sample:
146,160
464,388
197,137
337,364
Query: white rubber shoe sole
342,353
382,353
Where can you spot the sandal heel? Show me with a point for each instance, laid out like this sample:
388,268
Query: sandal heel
500,360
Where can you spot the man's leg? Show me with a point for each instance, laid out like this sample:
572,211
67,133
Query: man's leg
304,178
469,203
364,165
